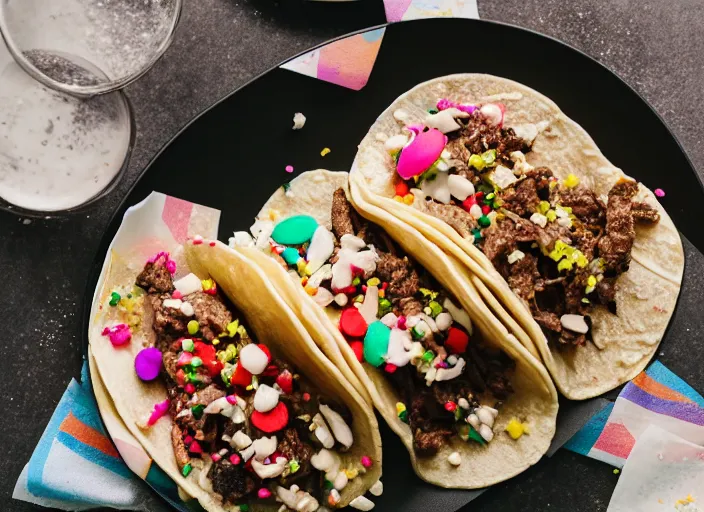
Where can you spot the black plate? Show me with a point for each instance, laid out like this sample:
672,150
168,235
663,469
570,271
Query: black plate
233,156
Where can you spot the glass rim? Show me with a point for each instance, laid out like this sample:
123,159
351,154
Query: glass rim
90,202
85,91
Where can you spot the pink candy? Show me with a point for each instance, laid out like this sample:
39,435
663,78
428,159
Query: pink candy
215,456
659,192
189,388
421,152
235,459
160,410
197,240
118,334
168,262
176,294
366,462
444,104
148,363
264,493
231,399
195,447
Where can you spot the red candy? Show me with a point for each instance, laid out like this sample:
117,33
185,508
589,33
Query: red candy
358,349
401,188
450,406
241,377
479,196
270,371
390,368
285,382
180,377
265,349
469,202
352,323
457,340
271,421
486,209
207,355
195,447
189,388
306,397
176,294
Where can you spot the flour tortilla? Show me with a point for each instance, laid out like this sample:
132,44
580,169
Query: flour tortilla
535,399
646,294
271,322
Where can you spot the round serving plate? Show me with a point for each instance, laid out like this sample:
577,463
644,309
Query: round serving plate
233,156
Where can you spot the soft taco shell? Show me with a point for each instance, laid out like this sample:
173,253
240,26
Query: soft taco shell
647,293
272,323
535,398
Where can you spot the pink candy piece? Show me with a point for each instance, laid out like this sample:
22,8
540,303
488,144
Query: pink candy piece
185,358
401,323
189,388
215,456
187,440
366,462
119,334
264,493
231,399
235,459
659,192
148,363
289,168
176,294
168,262
444,104
195,447
160,410
197,240
423,150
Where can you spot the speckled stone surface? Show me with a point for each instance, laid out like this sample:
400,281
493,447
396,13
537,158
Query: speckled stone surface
656,46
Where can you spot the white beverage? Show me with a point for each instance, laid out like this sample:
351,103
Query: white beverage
56,151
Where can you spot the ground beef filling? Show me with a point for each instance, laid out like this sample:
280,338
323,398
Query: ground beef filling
234,482
603,233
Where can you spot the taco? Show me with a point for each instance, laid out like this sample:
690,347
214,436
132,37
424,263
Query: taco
215,376
585,258
447,377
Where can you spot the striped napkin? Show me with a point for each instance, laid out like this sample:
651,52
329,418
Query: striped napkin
655,397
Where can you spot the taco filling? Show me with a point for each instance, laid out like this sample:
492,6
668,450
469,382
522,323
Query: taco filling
396,318
245,423
560,247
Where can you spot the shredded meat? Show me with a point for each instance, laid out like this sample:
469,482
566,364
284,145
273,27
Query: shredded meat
155,278
522,199
292,448
207,395
211,313
399,273
410,306
615,246
180,451
168,322
477,137
499,239
643,212
586,242
430,423
230,481
456,217
524,273
572,338
170,359
341,214
548,320
606,290
586,206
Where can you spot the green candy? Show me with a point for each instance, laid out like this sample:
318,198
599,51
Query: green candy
474,435
484,221
114,298
428,356
291,256
435,308
295,230
376,343
197,411
186,470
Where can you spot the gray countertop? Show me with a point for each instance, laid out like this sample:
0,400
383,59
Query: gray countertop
656,46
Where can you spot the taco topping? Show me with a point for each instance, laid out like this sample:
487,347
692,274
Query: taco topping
246,426
560,247
397,318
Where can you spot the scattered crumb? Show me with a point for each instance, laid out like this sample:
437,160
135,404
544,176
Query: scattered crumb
26,222
299,120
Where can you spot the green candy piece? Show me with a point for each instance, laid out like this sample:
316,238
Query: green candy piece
403,416
186,470
244,508
295,230
428,356
291,256
489,156
474,435
435,308
484,221
197,411
114,298
188,345
196,362
376,343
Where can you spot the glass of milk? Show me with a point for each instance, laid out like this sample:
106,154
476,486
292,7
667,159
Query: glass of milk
58,153
121,38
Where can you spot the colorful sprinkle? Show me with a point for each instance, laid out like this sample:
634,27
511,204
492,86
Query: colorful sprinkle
118,334
450,406
189,388
366,461
294,466
187,345
215,456
186,470
659,192
306,397
325,151
114,298
289,168
294,230
197,240
192,327
148,363
390,368
376,343
264,493
235,459
616,471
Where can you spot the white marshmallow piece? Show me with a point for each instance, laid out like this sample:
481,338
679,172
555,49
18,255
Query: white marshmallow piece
188,284
266,398
460,187
321,247
574,323
253,359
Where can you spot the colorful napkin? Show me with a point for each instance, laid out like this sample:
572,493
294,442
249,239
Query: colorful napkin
349,61
655,397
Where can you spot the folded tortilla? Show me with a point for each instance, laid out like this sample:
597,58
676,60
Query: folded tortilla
271,322
622,343
534,402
